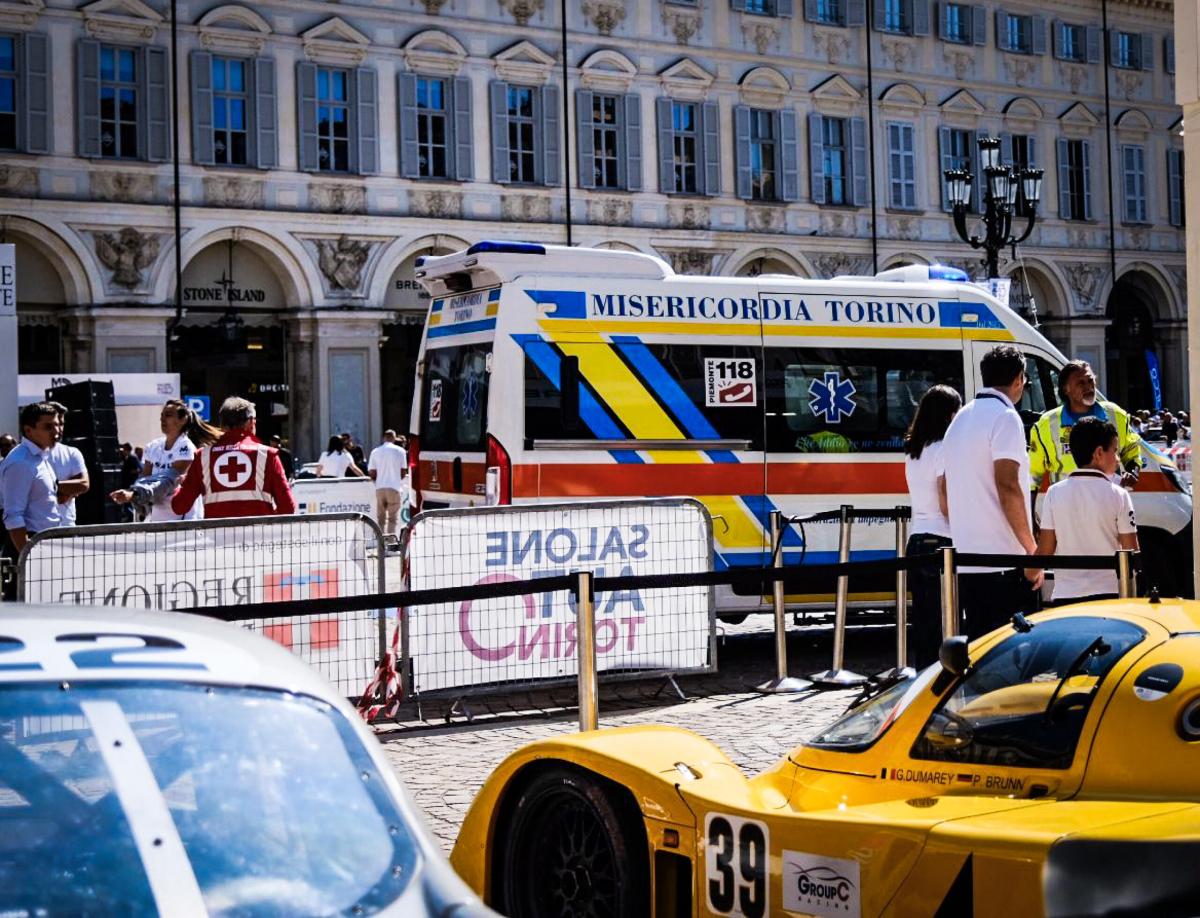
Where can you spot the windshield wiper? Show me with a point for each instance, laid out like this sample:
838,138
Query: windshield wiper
1098,648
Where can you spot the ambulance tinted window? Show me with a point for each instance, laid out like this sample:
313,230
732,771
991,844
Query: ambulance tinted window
827,400
454,399
1041,391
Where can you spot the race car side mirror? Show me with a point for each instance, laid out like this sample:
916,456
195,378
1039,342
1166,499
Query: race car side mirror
953,655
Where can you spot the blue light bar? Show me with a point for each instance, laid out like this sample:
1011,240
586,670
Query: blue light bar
945,272
507,248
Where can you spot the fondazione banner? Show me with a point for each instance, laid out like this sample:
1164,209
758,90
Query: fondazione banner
527,638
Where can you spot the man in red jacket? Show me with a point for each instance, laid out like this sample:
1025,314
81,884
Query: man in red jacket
237,475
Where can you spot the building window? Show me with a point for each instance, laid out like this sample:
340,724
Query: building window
1072,42
1133,172
1020,150
686,145
1175,187
958,151
333,120
230,108
956,22
830,12
522,130
762,155
762,7
118,102
896,16
8,93
1132,51
902,166
1020,34
606,154
765,154
837,158
834,161
610,140
1074,180
689,135
432,136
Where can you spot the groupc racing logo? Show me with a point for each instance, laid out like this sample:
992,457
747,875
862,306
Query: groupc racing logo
825,886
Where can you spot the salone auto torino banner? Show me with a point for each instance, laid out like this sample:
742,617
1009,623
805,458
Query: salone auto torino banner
525,638
176,568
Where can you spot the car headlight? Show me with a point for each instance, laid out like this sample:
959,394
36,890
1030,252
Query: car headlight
1177,481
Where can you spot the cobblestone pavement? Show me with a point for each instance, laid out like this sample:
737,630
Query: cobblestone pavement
444,766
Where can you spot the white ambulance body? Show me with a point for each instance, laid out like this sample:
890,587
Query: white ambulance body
550,373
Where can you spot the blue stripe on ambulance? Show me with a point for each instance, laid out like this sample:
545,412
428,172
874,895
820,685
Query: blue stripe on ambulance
568,304
598,420
664,385
951,315
466,328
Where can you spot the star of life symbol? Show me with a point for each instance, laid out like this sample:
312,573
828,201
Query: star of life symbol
233,470
832,399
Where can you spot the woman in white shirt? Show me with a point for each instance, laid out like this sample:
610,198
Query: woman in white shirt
183,433
924,470
336,462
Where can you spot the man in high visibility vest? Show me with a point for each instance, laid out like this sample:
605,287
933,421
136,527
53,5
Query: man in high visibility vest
1049,456
237,475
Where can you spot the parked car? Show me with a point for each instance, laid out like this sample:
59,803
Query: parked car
1051,768
166,763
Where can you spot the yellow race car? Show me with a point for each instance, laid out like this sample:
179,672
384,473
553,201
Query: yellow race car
1051,768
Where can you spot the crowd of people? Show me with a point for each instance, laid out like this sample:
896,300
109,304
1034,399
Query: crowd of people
974,477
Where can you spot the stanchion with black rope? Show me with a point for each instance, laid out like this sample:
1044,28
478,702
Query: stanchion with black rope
782,683
837,677
901,670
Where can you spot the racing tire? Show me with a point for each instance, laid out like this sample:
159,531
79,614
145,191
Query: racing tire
571,844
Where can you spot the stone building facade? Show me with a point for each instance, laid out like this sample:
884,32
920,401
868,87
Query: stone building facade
323,147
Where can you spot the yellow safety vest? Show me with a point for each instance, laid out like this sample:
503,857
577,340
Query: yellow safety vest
1049,439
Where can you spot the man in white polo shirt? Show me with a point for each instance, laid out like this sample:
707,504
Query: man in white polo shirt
387,467
987,483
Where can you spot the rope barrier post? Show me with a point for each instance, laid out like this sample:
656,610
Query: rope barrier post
585,633
949,594
901,670
782,683
1125,587
836,677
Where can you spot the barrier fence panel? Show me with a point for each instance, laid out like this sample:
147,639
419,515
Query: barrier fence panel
228,562
462,647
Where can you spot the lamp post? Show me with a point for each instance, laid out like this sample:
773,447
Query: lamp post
1001,202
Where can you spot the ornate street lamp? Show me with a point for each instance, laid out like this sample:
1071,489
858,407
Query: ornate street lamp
1007,192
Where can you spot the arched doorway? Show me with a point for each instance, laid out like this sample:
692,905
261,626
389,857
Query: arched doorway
1131,345
41,300
231,340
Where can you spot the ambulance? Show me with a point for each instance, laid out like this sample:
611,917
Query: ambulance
550,374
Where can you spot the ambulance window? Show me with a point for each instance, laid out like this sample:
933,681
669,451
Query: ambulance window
824,400
1041,390
455,398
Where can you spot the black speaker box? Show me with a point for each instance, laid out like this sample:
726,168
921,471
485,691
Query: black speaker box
94,506
88,395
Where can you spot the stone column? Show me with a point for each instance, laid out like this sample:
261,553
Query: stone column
303,382
1187,94
1173,357
348,355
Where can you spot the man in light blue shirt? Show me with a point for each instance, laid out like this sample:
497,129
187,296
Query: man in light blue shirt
30,487
70,469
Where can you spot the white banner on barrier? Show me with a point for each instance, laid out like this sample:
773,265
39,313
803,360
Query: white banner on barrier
214,567
533,637
335,495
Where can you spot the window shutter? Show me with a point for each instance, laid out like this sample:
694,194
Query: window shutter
895,171
202,109
856,13
1147,51
1059,39
944,151
979,25
1128,180
584,139
266,114
463,130
858,161
1087,180
1144,186
1002,30
943,11
810,10
1175,186
920,17
539,143
632,132
1006,147
1064,179
306,115
1093,44
816,159
783,7
366,121
501,168
710,121
1037,44
878,15
666,146
977,163
409,153
156,106
34,56
1114,53
789,173
551,149
87,96
741,150
1169,54
1031,147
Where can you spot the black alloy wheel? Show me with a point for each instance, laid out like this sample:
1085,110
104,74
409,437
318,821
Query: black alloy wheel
572,848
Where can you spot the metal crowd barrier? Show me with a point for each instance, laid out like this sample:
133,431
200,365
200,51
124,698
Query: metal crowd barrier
188,566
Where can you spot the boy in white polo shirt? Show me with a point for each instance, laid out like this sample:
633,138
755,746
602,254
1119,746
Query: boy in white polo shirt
1087,513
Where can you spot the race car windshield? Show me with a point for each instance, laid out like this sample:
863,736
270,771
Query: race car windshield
862,726
119,798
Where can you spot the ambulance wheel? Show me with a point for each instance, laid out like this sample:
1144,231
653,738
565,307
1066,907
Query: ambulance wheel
571,844
1160,564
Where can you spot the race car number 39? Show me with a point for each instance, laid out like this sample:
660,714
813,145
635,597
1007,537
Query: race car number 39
735,865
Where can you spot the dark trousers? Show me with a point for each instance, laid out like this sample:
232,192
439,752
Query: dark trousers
989,601
1094,597
926,615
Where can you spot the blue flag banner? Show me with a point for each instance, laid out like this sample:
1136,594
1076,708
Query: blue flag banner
1155,378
